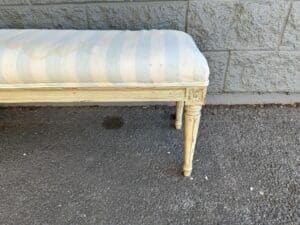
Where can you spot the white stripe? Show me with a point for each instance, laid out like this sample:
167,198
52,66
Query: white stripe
157,56
70,74
8,64
127,59
186,61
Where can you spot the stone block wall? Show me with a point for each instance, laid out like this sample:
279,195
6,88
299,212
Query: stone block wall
252,46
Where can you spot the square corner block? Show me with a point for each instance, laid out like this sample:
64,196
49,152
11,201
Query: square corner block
291,35
138,15
217,62
263,71
48,17
236,25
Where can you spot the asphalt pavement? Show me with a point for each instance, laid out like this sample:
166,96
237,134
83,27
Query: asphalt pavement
122,165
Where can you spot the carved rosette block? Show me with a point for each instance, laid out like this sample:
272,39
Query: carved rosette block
195,96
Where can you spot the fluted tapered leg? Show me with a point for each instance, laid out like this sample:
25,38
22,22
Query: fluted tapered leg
191,124
179,112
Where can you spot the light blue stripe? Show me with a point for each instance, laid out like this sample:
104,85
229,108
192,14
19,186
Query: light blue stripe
8,35
171,57
3,48
54,62
197,71
2,79
113,58
83,56
197,68
23,69
143,58
20,36
23,60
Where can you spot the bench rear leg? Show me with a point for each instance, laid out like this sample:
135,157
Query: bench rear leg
191,124
179,112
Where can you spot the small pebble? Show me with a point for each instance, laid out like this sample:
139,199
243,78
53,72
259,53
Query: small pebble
191,178
168,152
261,193
24,154
206,178
251,188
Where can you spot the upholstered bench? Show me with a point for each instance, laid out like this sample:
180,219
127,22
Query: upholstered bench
106,66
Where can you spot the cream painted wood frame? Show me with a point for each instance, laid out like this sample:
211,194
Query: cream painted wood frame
192,98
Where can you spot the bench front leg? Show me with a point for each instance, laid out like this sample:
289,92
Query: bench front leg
191,125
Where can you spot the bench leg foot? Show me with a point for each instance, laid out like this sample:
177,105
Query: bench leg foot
179,112
191,124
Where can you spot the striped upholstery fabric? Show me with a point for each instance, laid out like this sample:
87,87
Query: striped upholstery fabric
73,58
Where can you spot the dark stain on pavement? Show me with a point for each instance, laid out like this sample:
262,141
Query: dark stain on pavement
112,122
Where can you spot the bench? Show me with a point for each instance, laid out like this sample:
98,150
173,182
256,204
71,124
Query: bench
106,66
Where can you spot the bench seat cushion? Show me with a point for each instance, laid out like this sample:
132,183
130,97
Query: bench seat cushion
89,58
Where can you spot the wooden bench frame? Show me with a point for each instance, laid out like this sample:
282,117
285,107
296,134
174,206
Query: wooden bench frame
190,98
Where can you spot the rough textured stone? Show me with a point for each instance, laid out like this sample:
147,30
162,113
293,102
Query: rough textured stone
13,17
14,2
59,16
216,25
168,15
234,24
291,36
217,62
264,71
68,1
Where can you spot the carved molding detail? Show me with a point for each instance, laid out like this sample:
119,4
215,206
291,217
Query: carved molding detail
196,95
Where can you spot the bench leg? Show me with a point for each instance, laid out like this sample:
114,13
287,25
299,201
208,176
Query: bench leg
191,124
179,112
